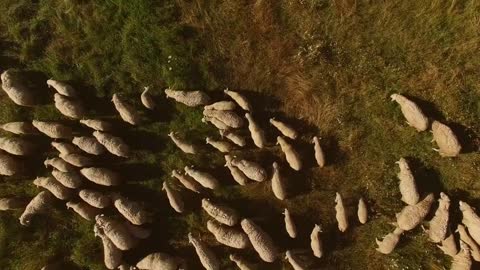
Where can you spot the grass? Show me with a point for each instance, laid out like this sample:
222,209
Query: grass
330,64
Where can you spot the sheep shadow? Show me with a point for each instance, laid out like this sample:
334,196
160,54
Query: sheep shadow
428,180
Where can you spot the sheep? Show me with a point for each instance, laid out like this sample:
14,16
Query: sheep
261,241
462,260
137,231
113,144
62,88
38,205
19,128
84,210
160,261
292,156
9,165
289,224
284,128
11,204
471,220
449,246
362,212
101,176
59,164
412,113
77,160
15,90
316,242
221,106
240,262
89,144
69,107
68,179
412,215
184,146
407,185
448,144
438,226
208,259
217,123
16,146
278,183
239,99
220,212
256,132
189,98
465,237
233,137
340,215
236,173
96,124
222,146
57,189
65,148
294,261
127,112
147,99
132,211
95,198
389,242
229,118
174,198
112,256
116,232
187,181
228,236
53,130
319,154
251,169
203,178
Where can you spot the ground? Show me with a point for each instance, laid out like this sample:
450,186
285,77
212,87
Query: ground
326,66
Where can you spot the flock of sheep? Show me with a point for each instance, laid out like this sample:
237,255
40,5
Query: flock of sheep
74,167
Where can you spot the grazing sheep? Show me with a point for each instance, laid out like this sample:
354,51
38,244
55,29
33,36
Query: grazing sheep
69,107
62,88
229,118
132,211
465,237
147,99
389,242
208,259
251,169
137,231
113,144
221,106
38,205
239,99
278,183
261,241
78,160
438,226
471,220
116,232
407,185
57,189
59,164
340,215
449,246
236,173
174,198
448,144
187,181
53,130
289,224
189,98
11,204
285,129
292,156
316,242
220,212
9,165
16,146
84,210
217,123
294,261
222,146
19,128
240,262
89,144
462,260
203,178
101,176
95,198
127,112
362,212
69,179
258,136
184,146
228,236
234,137
96,124
160,261
15,90
65,148
112,256
412,215
319,154
412,113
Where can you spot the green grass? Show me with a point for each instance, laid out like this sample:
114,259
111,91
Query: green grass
332,64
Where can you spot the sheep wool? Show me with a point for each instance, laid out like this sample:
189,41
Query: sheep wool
65,148
116,232
101,176
284,128
222,146
217,123
160,261
234,137
89,144
220,212
471,220
19,128
290,226
340,215
278,183
256,132
407,185
389,242
208,259
362,212
447,141
184,146
69,107
316,242
95,198
53,130
84,210
319,154
174,198
137,231
147,99
189,98
236,173
62,88
251,169
113,144
438,226
449,246
465,237
239,99
59,164
412,113
15,90
96,124
205,179
462,260
16,146
38,205
9,165
112,256
229,118
221,106
132,211
127,112
240,262
68,179
412,215
57,189
77,160
292,156
11,204
294,261
228,236
261,241
187,181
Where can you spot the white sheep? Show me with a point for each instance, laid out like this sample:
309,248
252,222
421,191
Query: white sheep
96,124
220,212
89,144
147,99
292,156
471,220
187,181
465,237
69,107
294,261
261,241
234,137
15,90
112,256
438,226
362,212
240,262
127,112
189,98
449,245
319,154
203,178
284,128
16,146
62,88
65,148
160,261
77,160
256,132
132,211
174,198
236,173
19,128
217,123
53,130
239,99
340,215
228,236
101,176
9,165
208,259
407,185
462,260
183,145
316,242
221,106
137,231
222,146
290,226
389,242
38,205
59,164
251,169
11,204
95,198
69,179
84,210
278,183
412,113
448,144
412,215
229,118
57,189
113,144
116,232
